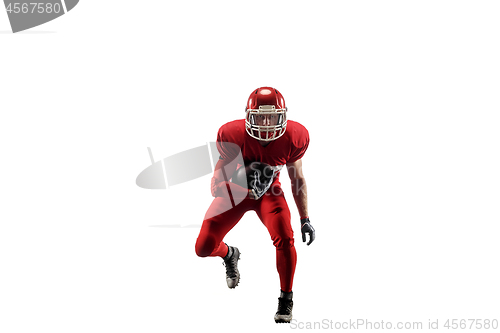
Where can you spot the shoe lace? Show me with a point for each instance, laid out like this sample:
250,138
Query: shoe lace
284,306
230,267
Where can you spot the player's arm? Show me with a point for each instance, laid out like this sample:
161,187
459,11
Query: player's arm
299,191
299,186
221,171
220,185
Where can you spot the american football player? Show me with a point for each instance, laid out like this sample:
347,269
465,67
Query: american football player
266,136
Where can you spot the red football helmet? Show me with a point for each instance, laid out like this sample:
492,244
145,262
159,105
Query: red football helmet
265,118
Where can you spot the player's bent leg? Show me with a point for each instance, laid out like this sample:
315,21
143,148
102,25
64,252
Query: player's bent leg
219,219
218,222
207,249
209,242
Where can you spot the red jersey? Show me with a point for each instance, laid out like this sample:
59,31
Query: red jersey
232,139
286,149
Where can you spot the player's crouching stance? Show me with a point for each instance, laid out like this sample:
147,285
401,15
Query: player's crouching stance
265,136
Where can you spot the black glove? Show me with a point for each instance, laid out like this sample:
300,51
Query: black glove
307,228
257,186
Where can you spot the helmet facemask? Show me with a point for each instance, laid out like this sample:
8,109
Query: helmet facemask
266,123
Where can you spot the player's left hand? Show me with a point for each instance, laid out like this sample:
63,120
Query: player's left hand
307,228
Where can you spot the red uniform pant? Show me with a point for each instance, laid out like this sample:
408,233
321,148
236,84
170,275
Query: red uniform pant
274,213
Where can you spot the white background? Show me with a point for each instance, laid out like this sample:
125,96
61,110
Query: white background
402,105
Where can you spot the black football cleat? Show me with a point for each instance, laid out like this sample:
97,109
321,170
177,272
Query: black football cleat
285,305
231,263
